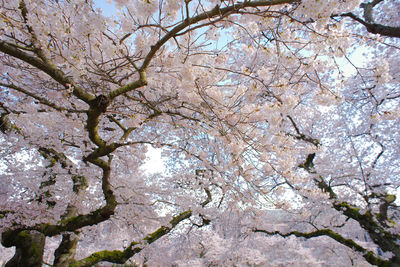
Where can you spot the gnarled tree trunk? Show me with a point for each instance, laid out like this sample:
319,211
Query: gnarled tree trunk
29,248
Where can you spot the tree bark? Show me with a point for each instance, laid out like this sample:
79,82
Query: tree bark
65,253
29,248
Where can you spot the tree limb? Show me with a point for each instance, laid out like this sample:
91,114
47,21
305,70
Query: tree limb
118,256
368,255
47,67
375,27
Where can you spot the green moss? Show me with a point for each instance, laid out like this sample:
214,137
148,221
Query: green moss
390,198
106,255
68,220
35,251
24,237
392,222
370,257
45,227
353,212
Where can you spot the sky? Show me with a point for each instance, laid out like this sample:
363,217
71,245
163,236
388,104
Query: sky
108,8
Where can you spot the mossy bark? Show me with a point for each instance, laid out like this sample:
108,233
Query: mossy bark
29,249
65,253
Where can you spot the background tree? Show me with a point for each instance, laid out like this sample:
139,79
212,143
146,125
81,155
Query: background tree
271,132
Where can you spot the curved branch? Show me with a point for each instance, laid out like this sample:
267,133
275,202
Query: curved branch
71,224
118,256
386,240
47,67
41,100
216,11
142,81
375,27
367,254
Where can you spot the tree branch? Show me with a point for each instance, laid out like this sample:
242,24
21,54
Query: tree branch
383,238
71,224
41,100
47,67
380,236
375,27
368,255
216,11
117,256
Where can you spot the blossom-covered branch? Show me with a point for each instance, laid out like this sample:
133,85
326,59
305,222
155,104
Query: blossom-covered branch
368,255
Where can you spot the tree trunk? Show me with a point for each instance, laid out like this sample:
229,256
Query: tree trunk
29,249
65,253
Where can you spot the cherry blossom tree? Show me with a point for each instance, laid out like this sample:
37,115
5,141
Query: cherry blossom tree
280,141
